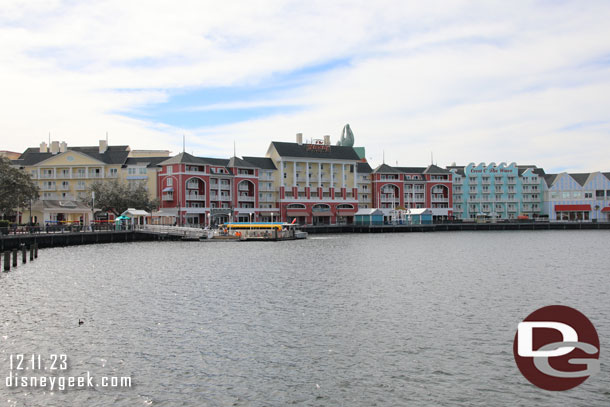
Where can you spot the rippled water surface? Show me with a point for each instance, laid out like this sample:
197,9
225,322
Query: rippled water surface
336,320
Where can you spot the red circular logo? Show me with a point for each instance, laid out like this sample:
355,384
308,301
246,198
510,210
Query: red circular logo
556,348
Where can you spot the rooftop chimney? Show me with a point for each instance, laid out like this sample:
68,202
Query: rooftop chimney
43,147
63,147
103,146
327,140
299,138
54,147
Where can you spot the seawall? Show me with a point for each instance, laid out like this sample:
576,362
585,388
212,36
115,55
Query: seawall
445,227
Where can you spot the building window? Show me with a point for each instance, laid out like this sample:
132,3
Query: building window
587,195
599,193
169,182
168,170
143,171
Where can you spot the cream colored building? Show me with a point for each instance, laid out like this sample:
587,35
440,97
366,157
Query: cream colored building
316,182
64,175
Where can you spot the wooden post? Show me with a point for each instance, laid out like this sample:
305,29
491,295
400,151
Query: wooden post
35,250
23,254
32,252
15,251
7,261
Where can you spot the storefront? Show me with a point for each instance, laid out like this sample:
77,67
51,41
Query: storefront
573,213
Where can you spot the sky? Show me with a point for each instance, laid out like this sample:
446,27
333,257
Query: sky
464,81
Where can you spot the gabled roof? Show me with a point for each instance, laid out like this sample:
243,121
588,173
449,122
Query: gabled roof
264,163
302,150
218,162
411,170
147,161
386,169
459,169
236,162
607,175
186,158
580,178
538,171
550,178
113,155
433,169
363,168
182,158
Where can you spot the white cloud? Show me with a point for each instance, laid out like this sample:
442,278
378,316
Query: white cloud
471,81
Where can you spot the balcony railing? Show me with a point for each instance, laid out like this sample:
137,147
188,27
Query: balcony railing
246,198
167,197
195,197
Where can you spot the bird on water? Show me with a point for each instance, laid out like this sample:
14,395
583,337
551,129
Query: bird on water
80,322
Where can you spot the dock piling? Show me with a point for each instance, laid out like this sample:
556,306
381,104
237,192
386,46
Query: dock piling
35,250
23,254
7,261
15,251
31,252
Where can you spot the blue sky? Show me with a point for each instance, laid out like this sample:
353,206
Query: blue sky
471,81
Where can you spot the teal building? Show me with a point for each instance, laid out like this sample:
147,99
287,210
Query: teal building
497,191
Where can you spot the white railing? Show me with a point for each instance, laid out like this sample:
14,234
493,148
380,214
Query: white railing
246,198
195,197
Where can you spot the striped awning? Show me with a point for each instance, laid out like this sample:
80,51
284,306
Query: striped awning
168,189
606,209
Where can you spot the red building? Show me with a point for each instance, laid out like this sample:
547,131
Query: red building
413,187
200,191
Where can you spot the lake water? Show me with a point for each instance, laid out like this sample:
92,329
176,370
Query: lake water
418,319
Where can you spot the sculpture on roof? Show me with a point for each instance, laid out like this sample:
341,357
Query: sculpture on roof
347,137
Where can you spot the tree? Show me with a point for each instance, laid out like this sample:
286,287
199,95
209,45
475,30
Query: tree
16,188
117,196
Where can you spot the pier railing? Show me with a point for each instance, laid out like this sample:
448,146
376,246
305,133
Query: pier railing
103,227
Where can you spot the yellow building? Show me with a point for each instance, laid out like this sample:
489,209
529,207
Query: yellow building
316,182
64,175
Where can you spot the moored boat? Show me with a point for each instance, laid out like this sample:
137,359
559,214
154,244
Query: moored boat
260,231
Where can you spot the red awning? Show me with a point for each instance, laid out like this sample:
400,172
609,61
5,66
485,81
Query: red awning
572,208
321,214
296,213
606,209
